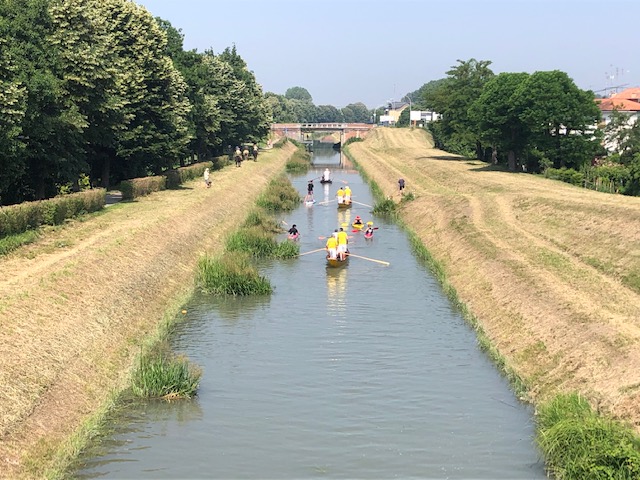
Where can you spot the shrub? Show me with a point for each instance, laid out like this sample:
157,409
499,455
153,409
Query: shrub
567,175
385,207
258,218
139,187
299,162
19,218
580,444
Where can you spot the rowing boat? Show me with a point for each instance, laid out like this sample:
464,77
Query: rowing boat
344,205
323,181
336,262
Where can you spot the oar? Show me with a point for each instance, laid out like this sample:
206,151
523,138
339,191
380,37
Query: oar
364,204
284,222
370,259
326,201
312,251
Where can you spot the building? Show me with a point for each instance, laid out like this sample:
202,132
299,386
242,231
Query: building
626,102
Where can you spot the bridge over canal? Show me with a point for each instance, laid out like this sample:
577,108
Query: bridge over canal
304,132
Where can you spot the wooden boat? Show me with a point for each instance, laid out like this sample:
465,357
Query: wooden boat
344,205
323,181
336,262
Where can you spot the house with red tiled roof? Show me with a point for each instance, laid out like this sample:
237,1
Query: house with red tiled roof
626,102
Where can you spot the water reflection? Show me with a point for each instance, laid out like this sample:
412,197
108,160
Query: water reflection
336,291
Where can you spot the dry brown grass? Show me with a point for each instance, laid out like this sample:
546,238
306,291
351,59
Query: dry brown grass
548,269
75,306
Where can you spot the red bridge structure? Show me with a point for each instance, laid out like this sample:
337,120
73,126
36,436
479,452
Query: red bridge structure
303,132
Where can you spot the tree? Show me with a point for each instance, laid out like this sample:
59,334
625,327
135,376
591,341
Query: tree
298,93
356,113
12,111
560,117
452,98
328,113
497,117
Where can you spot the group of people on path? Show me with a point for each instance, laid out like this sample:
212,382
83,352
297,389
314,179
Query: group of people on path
240,155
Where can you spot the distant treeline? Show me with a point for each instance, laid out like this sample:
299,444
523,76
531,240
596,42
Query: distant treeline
96,91
296,106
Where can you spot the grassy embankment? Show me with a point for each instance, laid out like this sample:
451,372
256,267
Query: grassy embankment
80,303
545,272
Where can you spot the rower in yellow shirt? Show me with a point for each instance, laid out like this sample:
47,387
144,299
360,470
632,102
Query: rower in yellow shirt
343,241
340,195
347,194
332,246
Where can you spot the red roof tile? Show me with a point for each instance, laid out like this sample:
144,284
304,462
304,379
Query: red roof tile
628,94
621,104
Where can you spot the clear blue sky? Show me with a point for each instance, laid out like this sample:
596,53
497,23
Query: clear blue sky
373,51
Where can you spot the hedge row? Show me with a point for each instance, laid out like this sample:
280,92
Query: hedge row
15,219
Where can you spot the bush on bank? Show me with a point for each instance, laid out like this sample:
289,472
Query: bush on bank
300,161
15,219
580,444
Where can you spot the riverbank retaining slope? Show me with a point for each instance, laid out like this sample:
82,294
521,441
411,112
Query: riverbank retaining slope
551,271
76,305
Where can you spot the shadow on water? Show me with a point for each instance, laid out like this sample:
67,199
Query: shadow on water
363,371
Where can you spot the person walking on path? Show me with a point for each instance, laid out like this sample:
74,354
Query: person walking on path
401,184
207,179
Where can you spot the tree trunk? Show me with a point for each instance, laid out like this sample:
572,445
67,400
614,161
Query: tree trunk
511,161
106,171
494,155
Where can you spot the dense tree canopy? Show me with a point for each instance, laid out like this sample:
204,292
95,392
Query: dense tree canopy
100,88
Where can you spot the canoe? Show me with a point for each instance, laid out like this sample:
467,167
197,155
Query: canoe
368,235
358,226
344,205
334,262
326,181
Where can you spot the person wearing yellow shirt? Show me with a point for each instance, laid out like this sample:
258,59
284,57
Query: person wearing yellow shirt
340,195
343,241
332,247
347,194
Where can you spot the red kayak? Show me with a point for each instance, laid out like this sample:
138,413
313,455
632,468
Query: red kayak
294,236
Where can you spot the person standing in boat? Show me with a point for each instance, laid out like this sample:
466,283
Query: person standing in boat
343,243
326,176
332,247
340,195
347,194
309,197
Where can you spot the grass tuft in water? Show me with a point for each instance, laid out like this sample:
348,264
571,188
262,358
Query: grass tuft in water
231,274
579,444
260,244
280,196
161,374
300,162
262,220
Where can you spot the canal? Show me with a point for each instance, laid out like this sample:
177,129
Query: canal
364,371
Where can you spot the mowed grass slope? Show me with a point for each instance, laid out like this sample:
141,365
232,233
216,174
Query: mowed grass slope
76,305
551,271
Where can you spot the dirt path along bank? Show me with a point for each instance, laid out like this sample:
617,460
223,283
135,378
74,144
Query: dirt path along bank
76,305
551,271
